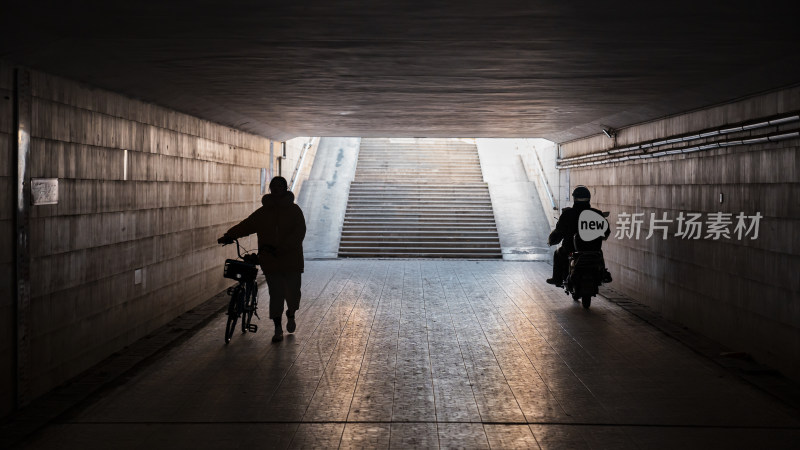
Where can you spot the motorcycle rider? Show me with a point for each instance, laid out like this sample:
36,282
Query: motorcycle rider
566,229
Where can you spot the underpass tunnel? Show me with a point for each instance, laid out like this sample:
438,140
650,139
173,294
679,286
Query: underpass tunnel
431,163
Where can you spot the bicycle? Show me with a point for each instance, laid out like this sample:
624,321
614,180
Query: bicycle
244,296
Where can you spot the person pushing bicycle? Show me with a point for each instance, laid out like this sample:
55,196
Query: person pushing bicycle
281,228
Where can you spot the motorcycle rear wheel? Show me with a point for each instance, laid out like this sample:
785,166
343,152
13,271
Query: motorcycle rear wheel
587,301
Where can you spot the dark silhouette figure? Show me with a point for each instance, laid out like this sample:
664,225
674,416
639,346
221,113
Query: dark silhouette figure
281,227
566,231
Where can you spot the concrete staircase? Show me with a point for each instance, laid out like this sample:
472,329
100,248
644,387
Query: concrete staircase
419,198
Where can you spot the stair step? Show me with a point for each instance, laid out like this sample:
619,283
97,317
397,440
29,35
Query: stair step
414,164
459,249
420,165
421,243
403,239
406,158
398,206
418,147
455,189
438,176
426,168
371,255
355,228
389,202
454,246
453,222
418,199
401,219
377,186
416,214
369,218
360,192
410,231
366,194
419,184
431,151
430,221
424,210
399,156
443,160
420,237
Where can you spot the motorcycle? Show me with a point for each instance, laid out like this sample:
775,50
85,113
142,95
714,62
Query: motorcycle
587,272
587,269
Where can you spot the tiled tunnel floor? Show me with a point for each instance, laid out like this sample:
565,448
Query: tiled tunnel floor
428,354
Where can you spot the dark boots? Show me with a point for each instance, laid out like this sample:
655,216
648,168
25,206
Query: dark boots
554,281
560,267
278,330
291,325
606,276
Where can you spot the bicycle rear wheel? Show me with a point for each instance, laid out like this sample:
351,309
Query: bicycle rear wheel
233,312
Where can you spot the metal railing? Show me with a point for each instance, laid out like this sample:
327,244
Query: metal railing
299,165
545,183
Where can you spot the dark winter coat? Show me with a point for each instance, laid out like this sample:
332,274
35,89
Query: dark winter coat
567,226
281,227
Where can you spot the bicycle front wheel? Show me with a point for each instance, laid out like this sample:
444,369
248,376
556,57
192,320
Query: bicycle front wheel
233,313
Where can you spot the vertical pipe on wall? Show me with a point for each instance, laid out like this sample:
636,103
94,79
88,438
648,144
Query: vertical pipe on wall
22,125
281,159
563,175
271,161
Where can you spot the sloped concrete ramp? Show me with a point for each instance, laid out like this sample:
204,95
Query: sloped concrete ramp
521,221
323,198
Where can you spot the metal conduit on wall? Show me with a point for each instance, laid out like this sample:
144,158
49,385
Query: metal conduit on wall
645,150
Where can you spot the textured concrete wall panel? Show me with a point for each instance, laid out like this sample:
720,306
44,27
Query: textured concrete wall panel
743,293
91,100
82,231
187,181
140,314
82,196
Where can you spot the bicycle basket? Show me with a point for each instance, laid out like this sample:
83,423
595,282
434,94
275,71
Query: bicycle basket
240,270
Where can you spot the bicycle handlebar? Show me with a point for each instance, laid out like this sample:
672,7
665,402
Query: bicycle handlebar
238,248
239,252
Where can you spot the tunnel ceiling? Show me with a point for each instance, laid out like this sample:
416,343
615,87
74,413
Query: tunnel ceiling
482,69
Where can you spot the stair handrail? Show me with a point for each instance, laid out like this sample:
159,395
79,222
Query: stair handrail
545,183
299,165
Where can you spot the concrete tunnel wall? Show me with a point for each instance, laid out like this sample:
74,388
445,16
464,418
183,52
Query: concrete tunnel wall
188,180
7,297
743,293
